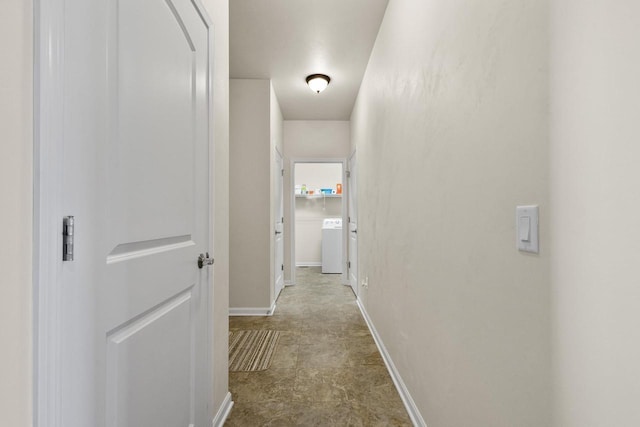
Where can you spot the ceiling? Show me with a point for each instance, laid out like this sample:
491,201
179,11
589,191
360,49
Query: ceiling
286,40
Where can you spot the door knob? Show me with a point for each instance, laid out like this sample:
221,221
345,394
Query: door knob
204,260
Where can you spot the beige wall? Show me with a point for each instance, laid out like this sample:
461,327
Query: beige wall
250,197
309,139
16,194
451,131
256,132
595,147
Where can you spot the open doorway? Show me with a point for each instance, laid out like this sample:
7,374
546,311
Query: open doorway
318,212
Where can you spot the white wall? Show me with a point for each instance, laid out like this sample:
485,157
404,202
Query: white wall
310,212
318,175
451,131
595,147
309,139
16,194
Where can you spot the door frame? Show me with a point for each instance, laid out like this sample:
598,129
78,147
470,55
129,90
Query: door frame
276,292
48,162
292,212
356,290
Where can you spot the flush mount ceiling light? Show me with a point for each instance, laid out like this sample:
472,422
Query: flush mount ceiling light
318,82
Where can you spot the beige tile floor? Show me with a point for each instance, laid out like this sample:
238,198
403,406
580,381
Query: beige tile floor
326,371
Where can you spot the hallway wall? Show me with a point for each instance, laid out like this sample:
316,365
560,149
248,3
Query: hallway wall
595,147
256,131
16,195
451,131
250,198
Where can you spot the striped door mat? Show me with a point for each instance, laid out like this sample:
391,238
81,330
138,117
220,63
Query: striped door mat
252,350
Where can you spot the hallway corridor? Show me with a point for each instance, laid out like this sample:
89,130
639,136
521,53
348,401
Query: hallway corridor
326,370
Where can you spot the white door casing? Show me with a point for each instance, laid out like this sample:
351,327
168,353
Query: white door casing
352,191
279,225
134,334
292,212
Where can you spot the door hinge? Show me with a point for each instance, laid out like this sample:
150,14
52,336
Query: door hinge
348,174
349,264
282,267
282,171
67,238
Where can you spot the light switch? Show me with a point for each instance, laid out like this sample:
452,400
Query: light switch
527,228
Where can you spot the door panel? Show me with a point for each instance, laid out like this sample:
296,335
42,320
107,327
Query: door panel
133,384
136,343
157,72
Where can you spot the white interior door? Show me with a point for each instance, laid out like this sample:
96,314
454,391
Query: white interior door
352,191
279,226
136,336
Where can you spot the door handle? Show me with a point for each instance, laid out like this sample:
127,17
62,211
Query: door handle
204,260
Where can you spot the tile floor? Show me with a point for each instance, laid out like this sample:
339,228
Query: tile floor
326,371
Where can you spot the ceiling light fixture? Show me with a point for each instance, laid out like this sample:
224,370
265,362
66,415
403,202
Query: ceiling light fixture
318,82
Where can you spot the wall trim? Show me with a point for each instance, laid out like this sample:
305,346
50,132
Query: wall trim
253,311
409,404
48,81
309,264
223,411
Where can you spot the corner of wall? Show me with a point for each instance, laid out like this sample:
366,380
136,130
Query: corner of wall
16,176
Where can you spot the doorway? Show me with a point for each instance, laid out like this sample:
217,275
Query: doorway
318,212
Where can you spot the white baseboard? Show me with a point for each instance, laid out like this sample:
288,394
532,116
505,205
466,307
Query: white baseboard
223,411
409,404
309,264
253,311
288,283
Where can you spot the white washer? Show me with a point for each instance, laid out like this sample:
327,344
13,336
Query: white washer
332,245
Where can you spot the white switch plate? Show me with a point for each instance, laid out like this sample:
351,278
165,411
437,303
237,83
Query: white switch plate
527,240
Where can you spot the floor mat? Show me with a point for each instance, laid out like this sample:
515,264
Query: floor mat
252,350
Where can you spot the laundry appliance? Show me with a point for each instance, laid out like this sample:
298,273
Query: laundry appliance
332,245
